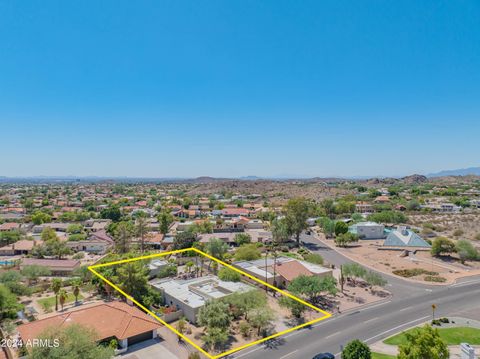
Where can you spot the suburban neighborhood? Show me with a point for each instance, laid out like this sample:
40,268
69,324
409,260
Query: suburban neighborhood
268,179
329,252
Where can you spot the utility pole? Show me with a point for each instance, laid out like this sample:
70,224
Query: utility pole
266,272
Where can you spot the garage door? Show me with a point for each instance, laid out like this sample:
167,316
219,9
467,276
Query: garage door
139,338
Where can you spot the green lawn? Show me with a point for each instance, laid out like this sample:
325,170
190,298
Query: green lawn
382,356
50,301
451,336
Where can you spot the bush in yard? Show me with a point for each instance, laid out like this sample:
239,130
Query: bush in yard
229,275
356,350
314,258
441,246
466,251
244,328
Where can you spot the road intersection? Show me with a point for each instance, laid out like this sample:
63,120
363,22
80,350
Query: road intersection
409,305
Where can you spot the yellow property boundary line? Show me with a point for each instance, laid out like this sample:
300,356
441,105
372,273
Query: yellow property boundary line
196,346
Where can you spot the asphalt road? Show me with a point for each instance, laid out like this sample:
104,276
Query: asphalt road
409,305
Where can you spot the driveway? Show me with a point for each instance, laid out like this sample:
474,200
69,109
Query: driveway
149,349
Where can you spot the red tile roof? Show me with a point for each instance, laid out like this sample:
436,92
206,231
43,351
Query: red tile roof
291,270
115,319
235,211
9,226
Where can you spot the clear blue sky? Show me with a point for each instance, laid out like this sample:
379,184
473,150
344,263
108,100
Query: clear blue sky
235,88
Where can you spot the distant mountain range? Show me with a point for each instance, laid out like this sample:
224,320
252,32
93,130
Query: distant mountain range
207,179
459,172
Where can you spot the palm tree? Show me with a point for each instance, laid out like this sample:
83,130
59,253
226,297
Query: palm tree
56,286
141,230
62,296
189,266
76,291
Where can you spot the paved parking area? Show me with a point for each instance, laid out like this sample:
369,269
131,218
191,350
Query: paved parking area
149,349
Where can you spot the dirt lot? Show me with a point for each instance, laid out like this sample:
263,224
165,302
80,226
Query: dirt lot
450,225
367,253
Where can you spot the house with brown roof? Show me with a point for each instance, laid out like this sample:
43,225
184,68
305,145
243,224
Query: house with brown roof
115,320
60,267
282,270
9,226
23,246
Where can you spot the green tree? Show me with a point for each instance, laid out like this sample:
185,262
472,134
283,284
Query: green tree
133,279
75,229
344,239
354,271
466,251
76,342
48,234
123,235
112,212
296,215
327,225
165,219
296,308
56,285
76,290
141,230
62,297
40,217
261,318
441,246
312,286
9,305
280,231
356,350
229,275
242,238
184,239
56,247
215,337
340,228
241,304
32,272
423,343
216,248
247,252
214,314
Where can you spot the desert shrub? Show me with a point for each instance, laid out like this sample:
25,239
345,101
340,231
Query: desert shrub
433,278
244,328
314,258
408,273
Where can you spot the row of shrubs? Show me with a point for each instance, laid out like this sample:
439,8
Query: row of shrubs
408,273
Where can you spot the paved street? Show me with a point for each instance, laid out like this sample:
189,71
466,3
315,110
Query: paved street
410,305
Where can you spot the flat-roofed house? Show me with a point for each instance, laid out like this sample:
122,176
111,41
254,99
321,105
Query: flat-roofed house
115,320
191,294
368,230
